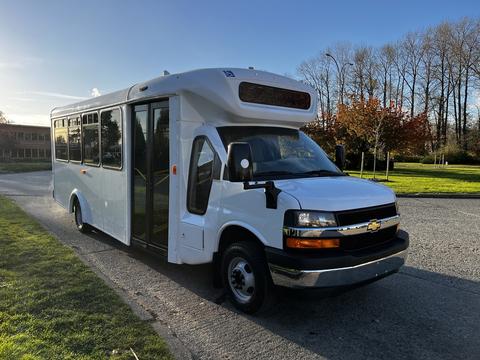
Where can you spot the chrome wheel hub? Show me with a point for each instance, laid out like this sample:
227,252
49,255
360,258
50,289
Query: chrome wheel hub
241,279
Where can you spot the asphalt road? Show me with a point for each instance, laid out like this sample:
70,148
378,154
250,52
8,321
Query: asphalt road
429,310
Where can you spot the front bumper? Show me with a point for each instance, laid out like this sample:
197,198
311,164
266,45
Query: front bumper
307,271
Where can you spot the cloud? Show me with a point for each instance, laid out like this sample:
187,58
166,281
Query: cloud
29,119
95,92
56,95
10,65
21,63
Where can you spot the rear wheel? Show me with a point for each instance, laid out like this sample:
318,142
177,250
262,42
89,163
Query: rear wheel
81,226
246,277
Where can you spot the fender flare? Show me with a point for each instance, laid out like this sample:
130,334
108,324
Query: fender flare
86,211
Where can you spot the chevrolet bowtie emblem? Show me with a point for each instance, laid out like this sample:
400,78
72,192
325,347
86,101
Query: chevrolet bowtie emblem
373,225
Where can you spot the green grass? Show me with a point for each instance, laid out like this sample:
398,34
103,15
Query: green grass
52,306
410,178
15,167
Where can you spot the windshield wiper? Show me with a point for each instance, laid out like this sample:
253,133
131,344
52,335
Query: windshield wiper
273,173
323,172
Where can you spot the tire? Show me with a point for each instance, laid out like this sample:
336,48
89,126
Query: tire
77,212
246,277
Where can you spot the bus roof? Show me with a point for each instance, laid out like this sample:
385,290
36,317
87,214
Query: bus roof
218,87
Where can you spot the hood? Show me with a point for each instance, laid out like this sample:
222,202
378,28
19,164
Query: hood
336,193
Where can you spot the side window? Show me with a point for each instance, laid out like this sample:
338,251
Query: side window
74,139
204,163
61,145
91,139
111,124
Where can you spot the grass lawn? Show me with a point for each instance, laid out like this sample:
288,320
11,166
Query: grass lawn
14,167
425,178
52,306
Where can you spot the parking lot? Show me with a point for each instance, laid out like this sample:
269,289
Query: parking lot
429,310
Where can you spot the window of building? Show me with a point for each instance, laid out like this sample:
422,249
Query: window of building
74,139
41,153
28,136
28,153
204,166
20,153
34,136
61,140
111,123
34,153
91,139
20,136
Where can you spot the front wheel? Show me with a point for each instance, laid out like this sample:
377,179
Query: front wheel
81,226
246,277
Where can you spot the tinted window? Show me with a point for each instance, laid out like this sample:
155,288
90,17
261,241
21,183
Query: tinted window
280,152
75,139
111,138
202,164
91,139
269,95
61,149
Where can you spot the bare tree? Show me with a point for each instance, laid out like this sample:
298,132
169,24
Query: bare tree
435,71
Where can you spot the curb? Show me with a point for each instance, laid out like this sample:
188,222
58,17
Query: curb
440,195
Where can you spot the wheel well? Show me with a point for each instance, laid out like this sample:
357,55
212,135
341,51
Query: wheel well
73,202
230,235
235,233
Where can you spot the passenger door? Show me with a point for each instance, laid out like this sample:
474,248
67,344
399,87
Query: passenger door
151,167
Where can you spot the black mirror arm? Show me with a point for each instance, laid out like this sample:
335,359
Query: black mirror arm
271,192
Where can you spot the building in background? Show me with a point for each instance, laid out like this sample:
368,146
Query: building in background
24,142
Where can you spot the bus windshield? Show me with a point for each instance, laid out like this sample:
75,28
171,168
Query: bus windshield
280,153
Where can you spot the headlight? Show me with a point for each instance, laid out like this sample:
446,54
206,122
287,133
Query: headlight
315,219
396,207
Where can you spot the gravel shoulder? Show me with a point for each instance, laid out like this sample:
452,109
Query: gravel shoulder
430,309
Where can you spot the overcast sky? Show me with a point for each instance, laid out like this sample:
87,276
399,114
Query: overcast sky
57,52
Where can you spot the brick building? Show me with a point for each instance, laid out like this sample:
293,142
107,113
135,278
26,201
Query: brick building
24,142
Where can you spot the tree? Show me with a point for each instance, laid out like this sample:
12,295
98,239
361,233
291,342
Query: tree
430,75
3,118
7,140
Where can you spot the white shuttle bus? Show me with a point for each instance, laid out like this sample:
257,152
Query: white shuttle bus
210,166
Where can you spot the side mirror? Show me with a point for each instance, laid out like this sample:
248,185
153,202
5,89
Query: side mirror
340,156
239,162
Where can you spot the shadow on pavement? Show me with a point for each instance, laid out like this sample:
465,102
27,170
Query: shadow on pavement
412,314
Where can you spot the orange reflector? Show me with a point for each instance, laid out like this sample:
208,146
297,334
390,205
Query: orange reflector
302,243
174,169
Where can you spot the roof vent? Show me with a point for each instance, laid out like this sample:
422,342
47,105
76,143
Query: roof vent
165,73
251,68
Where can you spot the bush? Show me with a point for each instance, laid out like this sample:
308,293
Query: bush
454,156
354,162
409,158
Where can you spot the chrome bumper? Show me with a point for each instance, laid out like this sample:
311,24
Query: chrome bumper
337,277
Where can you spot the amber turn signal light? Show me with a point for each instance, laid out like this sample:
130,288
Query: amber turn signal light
302,243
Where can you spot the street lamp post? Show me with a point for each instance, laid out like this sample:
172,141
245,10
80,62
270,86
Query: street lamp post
341,77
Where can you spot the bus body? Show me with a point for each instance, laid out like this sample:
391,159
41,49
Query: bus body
210,166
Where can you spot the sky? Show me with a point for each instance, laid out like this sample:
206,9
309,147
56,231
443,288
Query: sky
53,53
